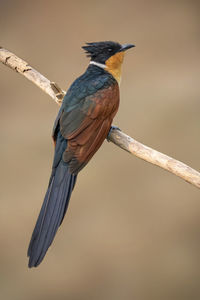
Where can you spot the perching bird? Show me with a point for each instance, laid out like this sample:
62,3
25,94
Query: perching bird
83,122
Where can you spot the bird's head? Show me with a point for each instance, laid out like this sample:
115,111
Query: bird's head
108,55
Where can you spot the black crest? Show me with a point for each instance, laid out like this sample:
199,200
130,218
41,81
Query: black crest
101,51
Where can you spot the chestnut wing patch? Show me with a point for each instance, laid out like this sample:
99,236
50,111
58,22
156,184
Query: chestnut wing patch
87,125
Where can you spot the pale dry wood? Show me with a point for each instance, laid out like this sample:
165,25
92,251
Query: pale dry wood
22,67
117,137
157,158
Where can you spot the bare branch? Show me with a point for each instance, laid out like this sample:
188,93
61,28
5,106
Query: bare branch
157,158
117,137
20,66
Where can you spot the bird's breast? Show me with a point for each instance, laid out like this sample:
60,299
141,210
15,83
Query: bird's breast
114,64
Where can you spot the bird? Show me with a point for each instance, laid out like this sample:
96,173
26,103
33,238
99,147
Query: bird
83,123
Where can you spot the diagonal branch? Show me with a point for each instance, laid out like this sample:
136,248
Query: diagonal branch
117,137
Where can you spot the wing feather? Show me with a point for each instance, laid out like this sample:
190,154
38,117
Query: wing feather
87,125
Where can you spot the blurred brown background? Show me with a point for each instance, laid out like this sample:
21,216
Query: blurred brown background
132,230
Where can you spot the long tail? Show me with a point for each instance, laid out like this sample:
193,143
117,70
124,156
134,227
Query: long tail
53,210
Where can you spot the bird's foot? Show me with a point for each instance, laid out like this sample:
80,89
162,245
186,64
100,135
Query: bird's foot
111,129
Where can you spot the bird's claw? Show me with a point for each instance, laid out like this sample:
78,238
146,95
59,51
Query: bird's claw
111,129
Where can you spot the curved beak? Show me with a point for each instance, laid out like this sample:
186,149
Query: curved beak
126,47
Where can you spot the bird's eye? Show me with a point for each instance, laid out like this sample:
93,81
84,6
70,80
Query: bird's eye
109,49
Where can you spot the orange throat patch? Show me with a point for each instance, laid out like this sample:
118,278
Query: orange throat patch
113,65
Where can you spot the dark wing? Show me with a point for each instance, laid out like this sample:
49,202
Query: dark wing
86,124
84,86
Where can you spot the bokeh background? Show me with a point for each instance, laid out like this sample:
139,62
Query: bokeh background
132,230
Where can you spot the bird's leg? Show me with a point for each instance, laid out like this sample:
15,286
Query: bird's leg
111,129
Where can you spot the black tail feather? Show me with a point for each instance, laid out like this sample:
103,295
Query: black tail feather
52,213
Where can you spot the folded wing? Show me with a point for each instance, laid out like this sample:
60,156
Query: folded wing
87,125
